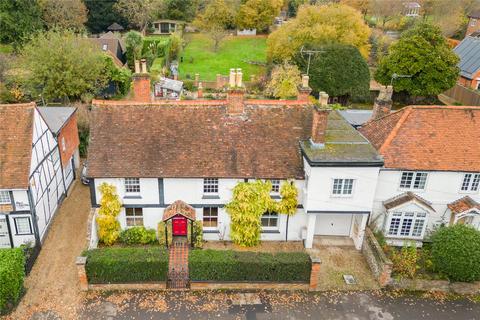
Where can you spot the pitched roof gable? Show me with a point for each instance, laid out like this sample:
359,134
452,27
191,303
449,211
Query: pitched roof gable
463,204
442,138
16,131
406,197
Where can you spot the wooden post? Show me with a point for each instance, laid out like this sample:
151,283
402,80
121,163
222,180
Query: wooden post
191,233
166,233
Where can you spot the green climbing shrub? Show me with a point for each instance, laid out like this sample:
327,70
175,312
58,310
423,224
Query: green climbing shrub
138,235
198,234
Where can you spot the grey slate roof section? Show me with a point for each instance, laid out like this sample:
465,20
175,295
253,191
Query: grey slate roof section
356,117
344,146
170,84
56,117
469,52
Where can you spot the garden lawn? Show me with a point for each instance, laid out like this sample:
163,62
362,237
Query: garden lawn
233,53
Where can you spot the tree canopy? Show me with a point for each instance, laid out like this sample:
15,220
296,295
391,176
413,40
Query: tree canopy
180,9
101,15
70,14
284,81
319,25
139,12
60,64
422,53
258,14
339,70
18,19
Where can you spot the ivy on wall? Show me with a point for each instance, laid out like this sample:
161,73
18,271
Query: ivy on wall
250,201
110,205
162,237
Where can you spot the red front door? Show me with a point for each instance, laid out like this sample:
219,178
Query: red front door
179,226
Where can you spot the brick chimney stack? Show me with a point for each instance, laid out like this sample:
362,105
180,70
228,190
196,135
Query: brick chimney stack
141,82
236,93
304,90
319,121
383,103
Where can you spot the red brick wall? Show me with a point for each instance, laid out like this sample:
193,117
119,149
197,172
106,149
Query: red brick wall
319,125
141,88
69,134
472,28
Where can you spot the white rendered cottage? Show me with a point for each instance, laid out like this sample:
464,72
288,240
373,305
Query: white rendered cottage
32,177
431,175
157,153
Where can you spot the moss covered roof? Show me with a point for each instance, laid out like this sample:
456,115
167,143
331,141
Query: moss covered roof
343,144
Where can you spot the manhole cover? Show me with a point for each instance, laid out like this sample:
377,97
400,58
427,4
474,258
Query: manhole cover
349,279
243,299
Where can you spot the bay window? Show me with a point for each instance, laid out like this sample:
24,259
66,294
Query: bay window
406,224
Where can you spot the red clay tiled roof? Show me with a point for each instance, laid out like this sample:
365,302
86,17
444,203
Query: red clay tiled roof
443,138
404,198
198,139
16,132
463,204
179,207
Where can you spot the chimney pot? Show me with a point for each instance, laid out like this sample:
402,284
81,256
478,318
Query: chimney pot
137,66
239,75
305,80
323,96
143,63
232,78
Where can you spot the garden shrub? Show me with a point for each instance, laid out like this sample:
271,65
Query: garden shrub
227,265
126,265
162,238
138,235
110,205
456,252
197,234
405,261
12,274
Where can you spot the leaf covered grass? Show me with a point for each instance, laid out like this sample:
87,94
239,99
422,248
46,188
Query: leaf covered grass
199,57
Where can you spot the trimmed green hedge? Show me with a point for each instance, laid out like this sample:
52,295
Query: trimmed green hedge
227,265
126,265
12,274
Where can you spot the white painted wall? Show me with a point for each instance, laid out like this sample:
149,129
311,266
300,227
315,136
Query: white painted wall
18,240
441,188
20,197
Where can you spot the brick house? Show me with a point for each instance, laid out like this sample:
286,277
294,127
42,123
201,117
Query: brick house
431,175
473,22
32,177
469,52
162,153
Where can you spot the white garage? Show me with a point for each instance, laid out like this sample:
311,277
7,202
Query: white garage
333,224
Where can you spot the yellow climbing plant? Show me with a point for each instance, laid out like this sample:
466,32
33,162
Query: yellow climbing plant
250,201
110,206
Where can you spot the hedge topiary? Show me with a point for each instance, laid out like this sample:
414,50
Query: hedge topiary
227,265
126,265
138,235
12,274
456,252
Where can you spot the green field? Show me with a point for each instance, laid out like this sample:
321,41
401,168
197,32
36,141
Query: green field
6,48
233,53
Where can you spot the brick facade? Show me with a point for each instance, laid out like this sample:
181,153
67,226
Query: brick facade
319,125
68,140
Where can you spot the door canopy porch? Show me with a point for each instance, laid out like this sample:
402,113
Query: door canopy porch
462,208
181,208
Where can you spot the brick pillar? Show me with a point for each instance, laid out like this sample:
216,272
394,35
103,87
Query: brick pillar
200,90
384,277
219,83
304,90
316,262
141,88
235,101
319,125
82,273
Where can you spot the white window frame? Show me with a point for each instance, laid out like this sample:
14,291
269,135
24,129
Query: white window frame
210,186
411,186
276,184
473,22
210,216
105,47
403,218
17,229
5,197
270,216
130,186
472,185
342,189
134,217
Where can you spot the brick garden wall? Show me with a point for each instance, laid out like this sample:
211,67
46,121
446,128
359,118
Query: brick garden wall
378,262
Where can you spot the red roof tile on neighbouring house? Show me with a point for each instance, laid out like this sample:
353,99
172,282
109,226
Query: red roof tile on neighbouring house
442,138
16,131
463,204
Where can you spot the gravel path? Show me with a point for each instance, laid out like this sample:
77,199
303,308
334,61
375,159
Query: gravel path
52,285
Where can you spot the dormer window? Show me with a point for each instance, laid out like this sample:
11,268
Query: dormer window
470,182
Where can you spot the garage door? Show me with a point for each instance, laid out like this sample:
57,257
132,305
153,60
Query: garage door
333,224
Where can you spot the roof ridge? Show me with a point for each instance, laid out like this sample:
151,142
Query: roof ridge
23,104
436,107
394,132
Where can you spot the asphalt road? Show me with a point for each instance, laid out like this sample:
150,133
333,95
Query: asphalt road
225,305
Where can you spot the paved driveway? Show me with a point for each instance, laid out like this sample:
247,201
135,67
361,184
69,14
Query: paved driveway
52,283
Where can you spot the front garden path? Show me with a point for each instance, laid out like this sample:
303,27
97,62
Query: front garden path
178,264
52,286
